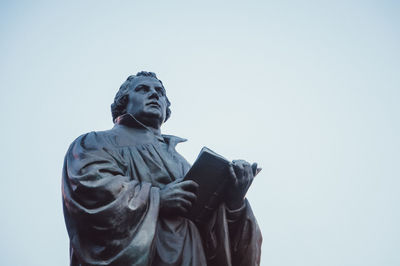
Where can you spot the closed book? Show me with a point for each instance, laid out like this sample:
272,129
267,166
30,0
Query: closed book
211,172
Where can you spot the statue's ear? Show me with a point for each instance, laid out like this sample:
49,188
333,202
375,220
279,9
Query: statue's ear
124,104
168,114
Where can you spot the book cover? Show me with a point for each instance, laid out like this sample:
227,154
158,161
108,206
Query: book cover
211,172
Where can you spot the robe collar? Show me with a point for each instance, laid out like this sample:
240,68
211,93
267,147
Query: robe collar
130,121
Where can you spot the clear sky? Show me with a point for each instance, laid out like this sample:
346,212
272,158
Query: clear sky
308,89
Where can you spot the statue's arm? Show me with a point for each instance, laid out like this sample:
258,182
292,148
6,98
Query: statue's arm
106,211
232,237
245,235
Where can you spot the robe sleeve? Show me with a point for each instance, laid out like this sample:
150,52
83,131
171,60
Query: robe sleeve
232,237
111,219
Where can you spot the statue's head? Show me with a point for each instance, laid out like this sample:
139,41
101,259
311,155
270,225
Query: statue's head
143,96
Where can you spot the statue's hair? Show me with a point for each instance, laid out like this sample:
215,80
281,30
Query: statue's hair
118,107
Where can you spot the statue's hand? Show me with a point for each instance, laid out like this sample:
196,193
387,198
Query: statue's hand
177,197
242,176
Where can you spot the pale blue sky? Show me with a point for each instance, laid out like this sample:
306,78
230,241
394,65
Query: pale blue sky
310,90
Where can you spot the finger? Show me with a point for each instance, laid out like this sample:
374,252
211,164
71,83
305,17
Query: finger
184,204
182,209
188,185
239,162
254,168
189,195
239,170
176,181
247,170
232,175
250,181
245,163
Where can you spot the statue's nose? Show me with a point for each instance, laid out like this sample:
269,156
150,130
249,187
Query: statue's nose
153,94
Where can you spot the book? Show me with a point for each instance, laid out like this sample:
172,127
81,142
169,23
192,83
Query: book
211,172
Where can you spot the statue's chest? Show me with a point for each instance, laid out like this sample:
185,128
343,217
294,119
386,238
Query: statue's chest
154,164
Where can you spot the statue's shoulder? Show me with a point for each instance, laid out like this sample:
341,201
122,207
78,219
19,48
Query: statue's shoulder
96,140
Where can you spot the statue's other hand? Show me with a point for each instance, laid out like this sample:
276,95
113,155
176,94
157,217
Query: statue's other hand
177,197
242,175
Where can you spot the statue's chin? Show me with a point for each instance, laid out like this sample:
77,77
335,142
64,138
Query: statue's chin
150,119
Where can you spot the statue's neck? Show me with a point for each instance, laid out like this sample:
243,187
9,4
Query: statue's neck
156,131
130,121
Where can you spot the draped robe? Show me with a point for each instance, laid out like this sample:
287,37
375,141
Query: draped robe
111,185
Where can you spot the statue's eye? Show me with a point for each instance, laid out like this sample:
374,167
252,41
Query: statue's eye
160,91
142,88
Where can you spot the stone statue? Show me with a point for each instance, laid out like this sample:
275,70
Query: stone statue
124,196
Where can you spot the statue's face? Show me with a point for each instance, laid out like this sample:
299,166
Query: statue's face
147,101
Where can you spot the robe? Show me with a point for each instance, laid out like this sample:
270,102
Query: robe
110,187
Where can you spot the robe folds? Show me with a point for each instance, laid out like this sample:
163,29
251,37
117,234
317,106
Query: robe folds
111,185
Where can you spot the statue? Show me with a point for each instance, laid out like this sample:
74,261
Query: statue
124,198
